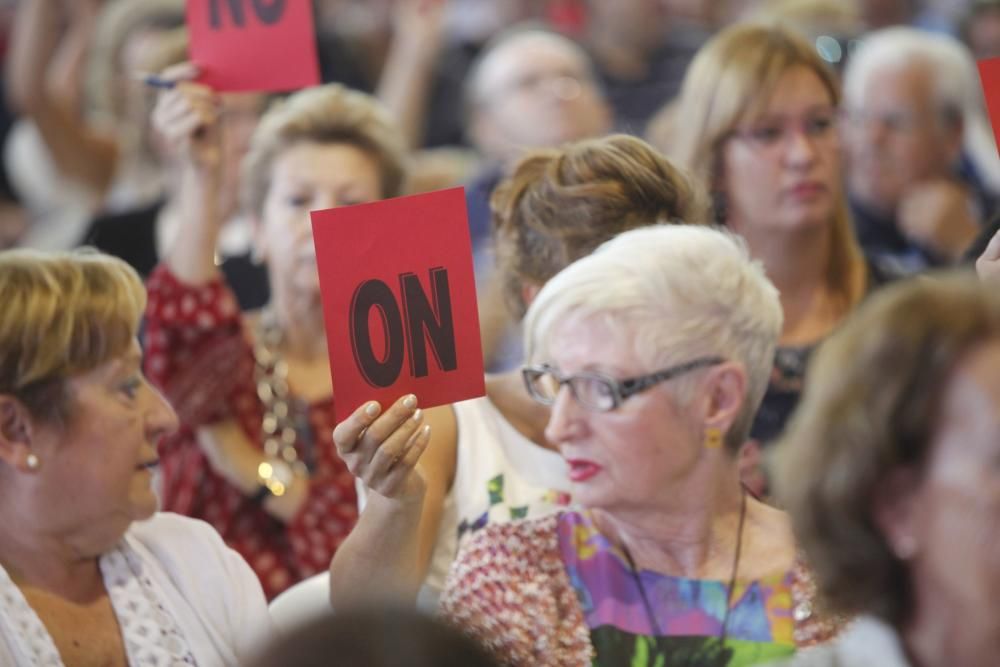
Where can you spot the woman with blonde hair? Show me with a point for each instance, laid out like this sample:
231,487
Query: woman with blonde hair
889,472
90,573
254,455
756,122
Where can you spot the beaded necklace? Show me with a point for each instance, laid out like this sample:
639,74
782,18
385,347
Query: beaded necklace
285,421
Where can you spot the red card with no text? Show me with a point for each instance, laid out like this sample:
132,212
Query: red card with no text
253,45
399,301
989,73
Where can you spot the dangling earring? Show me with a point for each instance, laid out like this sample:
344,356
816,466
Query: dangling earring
713,438
32,462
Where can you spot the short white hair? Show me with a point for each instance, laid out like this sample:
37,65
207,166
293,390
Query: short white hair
954,81
678,292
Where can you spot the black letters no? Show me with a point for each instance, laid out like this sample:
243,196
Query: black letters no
268,13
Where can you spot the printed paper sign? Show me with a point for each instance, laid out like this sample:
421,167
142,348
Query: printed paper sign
253,45
989,73
399,301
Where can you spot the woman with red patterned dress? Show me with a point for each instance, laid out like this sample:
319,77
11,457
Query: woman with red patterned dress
254,456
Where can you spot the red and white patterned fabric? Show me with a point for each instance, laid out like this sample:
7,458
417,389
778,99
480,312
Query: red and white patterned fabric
198,353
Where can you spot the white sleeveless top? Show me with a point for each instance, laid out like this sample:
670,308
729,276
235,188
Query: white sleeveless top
500,476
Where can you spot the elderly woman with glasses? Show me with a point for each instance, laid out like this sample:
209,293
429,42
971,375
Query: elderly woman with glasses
653,353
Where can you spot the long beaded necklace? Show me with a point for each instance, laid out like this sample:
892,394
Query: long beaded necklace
285,421
730,589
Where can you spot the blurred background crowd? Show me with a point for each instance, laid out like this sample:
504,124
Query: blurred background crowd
846,142
81,164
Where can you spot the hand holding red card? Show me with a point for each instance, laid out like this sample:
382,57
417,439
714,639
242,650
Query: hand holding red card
253,45
399,301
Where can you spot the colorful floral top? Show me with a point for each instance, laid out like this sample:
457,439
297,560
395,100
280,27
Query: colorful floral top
553,592
688,613
198,353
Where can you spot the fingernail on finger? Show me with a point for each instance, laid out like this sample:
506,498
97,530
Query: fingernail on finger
418,415
371,409
410,402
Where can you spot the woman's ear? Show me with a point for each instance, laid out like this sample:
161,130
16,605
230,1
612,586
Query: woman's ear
727,386
16,432
895,512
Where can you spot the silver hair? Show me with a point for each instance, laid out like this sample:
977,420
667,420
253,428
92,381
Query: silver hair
675,292
954,79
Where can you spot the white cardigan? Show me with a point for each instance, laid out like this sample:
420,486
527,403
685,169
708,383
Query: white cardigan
213,596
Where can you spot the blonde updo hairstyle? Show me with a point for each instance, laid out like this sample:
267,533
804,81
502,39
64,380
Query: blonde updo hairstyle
560,204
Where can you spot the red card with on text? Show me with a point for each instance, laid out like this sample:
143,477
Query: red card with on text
399,301
989,73
253,45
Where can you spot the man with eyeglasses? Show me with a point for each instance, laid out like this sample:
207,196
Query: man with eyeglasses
530,88
915,188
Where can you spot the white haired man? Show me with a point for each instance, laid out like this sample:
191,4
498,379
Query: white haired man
917,147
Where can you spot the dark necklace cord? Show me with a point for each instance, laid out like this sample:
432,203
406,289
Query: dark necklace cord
730,589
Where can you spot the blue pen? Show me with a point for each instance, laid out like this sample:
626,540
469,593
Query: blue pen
154,81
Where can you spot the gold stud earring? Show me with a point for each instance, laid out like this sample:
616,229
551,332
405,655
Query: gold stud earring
713,438
32,462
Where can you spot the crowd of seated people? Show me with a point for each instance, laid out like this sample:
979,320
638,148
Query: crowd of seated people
738,272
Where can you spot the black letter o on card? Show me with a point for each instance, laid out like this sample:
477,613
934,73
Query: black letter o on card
377,372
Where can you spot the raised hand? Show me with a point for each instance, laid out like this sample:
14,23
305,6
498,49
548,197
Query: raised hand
382,449
937,215
421,22
187,115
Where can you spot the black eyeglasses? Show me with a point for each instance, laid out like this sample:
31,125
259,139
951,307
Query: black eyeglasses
598,392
